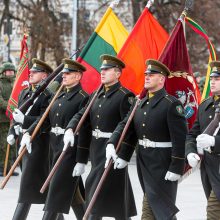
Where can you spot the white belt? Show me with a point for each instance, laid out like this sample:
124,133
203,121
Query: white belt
57,131
99,134
148,143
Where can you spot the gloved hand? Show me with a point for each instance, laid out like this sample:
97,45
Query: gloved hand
120,163
171,176
68,139
17,129
11,139
110,153
79,169
25,141
193,159
204,141
18,116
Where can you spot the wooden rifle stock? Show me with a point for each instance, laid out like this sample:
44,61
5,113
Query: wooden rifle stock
59,160
41,121
108,168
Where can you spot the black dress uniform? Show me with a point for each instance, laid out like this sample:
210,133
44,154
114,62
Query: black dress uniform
109,108
116,197
159,129
210,164
211,160
63,185
35,166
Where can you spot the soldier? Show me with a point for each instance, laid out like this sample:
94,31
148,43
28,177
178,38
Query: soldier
207,145
35,166
63,186
159,128
111,106
7,77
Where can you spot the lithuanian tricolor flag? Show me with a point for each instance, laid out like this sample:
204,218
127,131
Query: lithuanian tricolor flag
108,38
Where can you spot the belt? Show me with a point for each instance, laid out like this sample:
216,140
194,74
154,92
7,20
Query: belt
99,134
57,130
148,143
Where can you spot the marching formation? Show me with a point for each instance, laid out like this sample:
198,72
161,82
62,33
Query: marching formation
58,127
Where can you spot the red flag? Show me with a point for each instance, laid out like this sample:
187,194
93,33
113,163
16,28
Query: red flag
21,81
146,40
181,83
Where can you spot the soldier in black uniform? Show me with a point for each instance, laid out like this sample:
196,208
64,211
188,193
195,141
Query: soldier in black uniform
208,146
159,128
35,166
109,108
69,102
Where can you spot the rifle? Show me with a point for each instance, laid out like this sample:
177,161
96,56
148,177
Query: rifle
37,128
59,160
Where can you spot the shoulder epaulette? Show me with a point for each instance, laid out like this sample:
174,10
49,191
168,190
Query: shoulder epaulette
47,92
169,98
204,100
124,90
83,93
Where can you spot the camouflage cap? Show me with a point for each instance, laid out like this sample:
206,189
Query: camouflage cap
40,66
8,66
215,66
109,61
155,66
72,66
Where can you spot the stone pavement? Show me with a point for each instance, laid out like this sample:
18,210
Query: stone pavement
190,200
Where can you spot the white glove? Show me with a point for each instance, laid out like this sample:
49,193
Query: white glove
110,153
79,169
68,139
11,139
172,176
120,163
204,141
18,116
193,159
25,141
17,129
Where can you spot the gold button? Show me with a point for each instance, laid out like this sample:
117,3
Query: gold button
100,106
97,126
97,116
56,125
64,96
103,96
143,124
147,103
59,104
144,136
145,113
57,114
210,116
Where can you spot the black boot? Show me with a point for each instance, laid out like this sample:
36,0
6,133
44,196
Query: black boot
21,211
50,216
79,211
94,217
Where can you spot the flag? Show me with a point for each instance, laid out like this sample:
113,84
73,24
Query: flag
146,40
108,38
181,83
212,54
21,81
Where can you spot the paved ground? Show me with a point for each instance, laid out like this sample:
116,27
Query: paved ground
190,199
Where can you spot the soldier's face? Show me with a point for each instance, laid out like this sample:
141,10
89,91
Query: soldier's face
110,76
9,73
215,85
71,79
36,77
154,82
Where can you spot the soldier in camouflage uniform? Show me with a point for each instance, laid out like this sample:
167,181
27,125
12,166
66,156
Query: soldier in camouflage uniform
7,77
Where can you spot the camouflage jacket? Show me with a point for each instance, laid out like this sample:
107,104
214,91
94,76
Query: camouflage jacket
6,85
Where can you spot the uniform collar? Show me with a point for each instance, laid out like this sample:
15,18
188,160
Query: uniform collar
72,91
210,101
155,99
112,89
